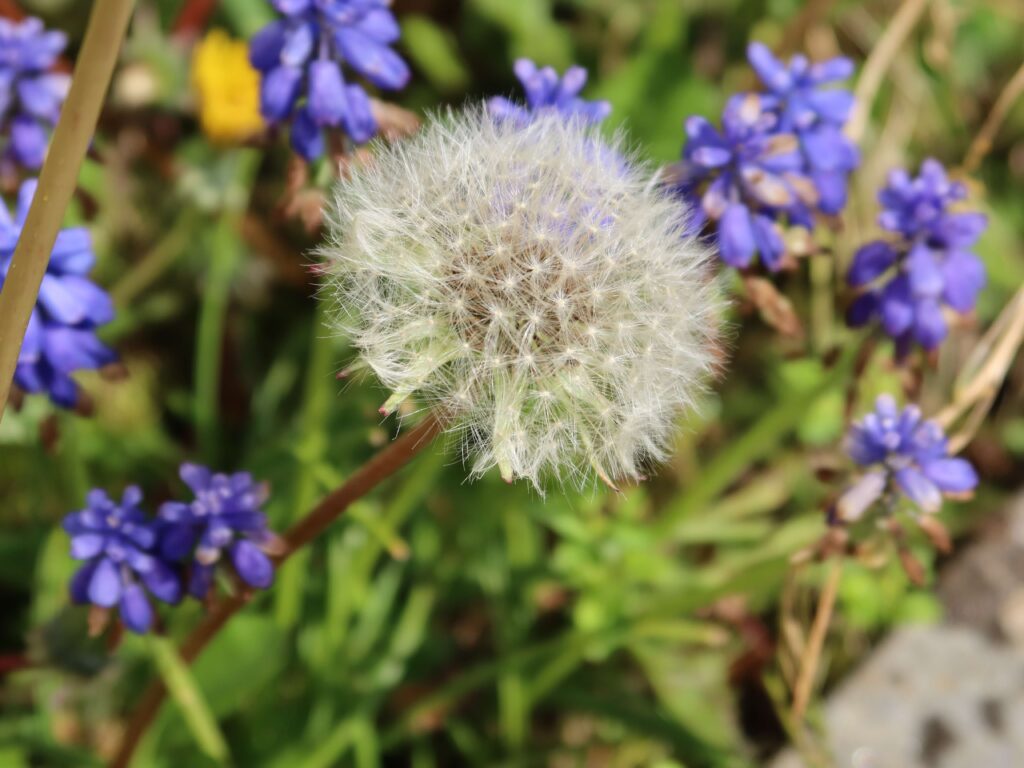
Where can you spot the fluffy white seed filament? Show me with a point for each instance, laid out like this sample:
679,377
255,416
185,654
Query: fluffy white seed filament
531,285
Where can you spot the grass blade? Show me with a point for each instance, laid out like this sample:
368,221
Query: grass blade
183,689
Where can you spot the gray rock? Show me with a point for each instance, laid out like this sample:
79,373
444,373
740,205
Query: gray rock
929,697
948,696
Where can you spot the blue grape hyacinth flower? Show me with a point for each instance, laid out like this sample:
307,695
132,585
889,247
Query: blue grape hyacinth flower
31,94
927,264
118,542
300,59
779,158
545,92
906,456
61,334
743,179
805,96
224,518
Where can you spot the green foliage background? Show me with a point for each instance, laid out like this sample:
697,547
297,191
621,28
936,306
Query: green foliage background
444,623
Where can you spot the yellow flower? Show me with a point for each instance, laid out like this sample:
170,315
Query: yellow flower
227,87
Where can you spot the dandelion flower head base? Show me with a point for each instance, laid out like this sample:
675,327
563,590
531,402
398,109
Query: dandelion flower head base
530,284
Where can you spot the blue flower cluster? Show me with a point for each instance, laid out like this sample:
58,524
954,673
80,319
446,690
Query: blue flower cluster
926,264
130,556
300,59
30,94
803,96
224,518
118,544
61,335
779,158
906,456
546,91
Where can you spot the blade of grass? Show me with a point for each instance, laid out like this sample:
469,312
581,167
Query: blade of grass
224,259
485,672
291,582
333,748
761,439
183,689
365,743
354,559
147,270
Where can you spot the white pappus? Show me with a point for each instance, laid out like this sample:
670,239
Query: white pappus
532,285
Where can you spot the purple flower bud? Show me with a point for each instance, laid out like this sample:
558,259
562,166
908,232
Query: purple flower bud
870,262
358,119
326,93
546,91
136,612
279,92
30,95
61,335
736,236
266,46
307,137
377,63
252,564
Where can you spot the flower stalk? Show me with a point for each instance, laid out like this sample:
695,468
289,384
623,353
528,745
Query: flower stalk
369,476
819,629
107,25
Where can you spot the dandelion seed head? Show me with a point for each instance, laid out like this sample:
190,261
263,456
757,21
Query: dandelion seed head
573,317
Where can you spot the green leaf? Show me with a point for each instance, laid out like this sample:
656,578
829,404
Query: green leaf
435,53
694,688
247,16
193,707
532,29
634,715
241,662
13,757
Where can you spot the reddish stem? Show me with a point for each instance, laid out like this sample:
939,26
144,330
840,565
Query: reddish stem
12,662
392,458
193,17
11,10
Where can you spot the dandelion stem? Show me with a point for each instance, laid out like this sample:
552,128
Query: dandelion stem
107,25
365,479
11,10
